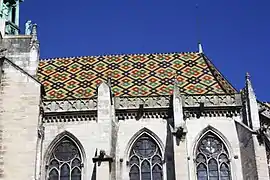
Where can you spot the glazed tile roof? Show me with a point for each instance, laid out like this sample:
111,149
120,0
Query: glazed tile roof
131,75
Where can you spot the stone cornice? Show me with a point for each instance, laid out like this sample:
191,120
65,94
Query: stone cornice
264,110
70,105
147,102
153,102
212,100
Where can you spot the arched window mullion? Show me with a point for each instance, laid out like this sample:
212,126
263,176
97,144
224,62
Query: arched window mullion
156,164
201,167
211,153
226,170
201,163
65,158
132,171
149,155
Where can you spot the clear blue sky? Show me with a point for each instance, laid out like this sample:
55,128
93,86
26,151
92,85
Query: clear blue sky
235,33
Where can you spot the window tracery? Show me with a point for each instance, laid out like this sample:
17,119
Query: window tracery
145,160
65,161
212,159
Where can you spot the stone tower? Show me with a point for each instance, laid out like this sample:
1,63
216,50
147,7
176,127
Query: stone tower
20,95
9,16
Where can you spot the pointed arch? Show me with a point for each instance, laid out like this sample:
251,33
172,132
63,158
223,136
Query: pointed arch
139,134
144,152
58,138
212,155
216,132
65,155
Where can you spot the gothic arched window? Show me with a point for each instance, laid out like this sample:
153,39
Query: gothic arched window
212,159
65,161
145,160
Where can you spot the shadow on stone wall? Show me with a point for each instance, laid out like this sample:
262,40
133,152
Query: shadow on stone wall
169,154
94,172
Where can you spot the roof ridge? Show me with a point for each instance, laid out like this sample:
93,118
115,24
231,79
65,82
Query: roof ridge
116,55
214,68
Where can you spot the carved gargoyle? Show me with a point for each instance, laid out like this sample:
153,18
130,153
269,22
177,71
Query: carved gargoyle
2,51
180,132
102,157
261,134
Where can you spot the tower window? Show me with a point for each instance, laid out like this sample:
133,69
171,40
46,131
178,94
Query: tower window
13,15
212,159
145,160
65,161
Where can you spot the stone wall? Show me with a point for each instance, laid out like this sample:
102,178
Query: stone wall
93,136
23,52
89,133
131,129
224,128
19,112
247,152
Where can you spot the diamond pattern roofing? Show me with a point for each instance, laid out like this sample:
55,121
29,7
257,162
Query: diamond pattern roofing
131,75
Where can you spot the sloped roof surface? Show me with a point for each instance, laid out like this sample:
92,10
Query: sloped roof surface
131,75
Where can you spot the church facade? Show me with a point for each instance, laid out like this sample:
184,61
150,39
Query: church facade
165,116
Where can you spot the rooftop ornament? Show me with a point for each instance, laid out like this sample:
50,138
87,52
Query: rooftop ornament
28,27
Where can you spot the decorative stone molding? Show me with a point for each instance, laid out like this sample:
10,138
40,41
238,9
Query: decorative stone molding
123,115
212,113
70,105
264,109
212,100
41,132
153,107
69,118
148,102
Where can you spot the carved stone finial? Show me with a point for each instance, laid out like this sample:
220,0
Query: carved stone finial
34,33
28,27
34,30
34,39
247,76
200,48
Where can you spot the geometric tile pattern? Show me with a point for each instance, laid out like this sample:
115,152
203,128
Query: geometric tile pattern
131,75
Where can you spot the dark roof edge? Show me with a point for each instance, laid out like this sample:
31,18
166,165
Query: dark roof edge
21,70
116,55
207,60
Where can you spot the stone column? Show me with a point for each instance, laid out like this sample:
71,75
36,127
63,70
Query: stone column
17,15
39,153
180,149
103,171
34,53
259,147
105,130
178,110
253,111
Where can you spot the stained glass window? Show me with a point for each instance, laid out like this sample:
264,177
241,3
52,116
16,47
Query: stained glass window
212,159
145,160
65,161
